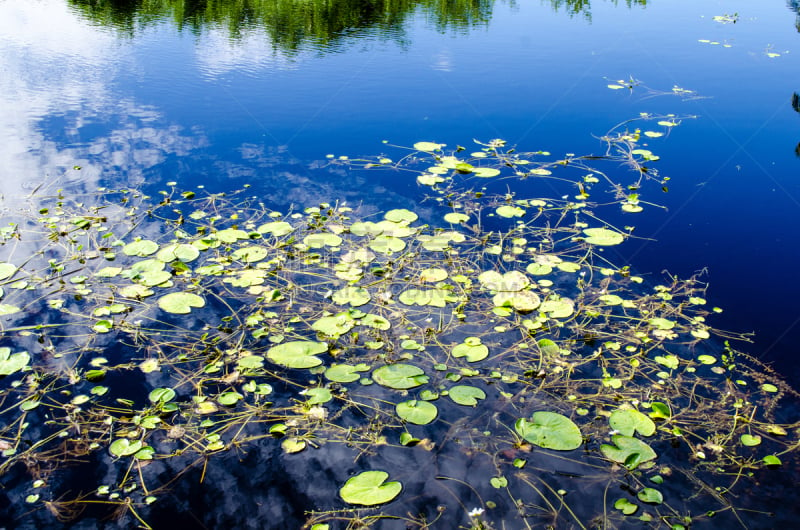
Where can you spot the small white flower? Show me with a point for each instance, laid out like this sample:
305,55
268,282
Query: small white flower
475,512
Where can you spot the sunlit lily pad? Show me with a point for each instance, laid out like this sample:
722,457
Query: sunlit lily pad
432,275
250,254
510,211
297,354
369,489
417,412
603,237
276,228
630,421
9,309
400,376
180,303
401,216
140,248
125,447
550,430
345,373
355,296
428,146
7,270
12,362
334,325
628,450
180,252
485,172
473,350
466,395
322,240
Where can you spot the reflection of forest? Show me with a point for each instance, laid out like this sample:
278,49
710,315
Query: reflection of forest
294,23
289,23
794,5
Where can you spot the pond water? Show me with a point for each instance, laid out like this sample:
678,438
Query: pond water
219,94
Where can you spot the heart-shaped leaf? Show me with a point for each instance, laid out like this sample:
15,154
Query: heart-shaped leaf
417,412
369,489
550,430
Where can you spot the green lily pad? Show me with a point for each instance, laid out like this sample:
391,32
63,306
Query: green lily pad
250,254
558,308
466,395
345,373
650,496
317,396
231,235
161,395
322,240
626,506
370,489
628,450
178,252
630,421
432,275
428,146
401,216
456,218
154,278
140,248
417,412
550,430
125,447
603,237
485,172
276,228
355,296
8,309
229,398
12,362
523,301
509,211
180,303
297,354
334,325
387,244
400,376
749,440
473,352
7,270
251,362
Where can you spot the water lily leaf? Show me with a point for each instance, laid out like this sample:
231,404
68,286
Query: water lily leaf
345,373
630,421
670,361
466,395
559,308
660,411
628,450
355,296
386,244
276,228
511,281
369,489
750,440
251,362
431,297
161,395
550,430
297,354
375,321
401,216
509,211
140,248
603,237
7,270
767,387
321,240
136,290
178,252
456,218
250,254
610,299
417,412
661,323
624,505
428,146
548,347
108,272
432,275
334,325
472,352
8,309
12,362
231,235
485,172
317,396
771,460
523,301
229,398
400,376
293,445
153,278
650,495
125,447
180,303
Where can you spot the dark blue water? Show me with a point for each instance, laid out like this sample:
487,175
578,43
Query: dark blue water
152,101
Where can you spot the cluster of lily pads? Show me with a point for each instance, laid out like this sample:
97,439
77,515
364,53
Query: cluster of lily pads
161,332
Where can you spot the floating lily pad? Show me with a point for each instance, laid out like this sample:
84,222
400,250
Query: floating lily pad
322,240
12,362
369,489
140,248
317,396
603,237
231,235
276,228
345,373
8,309
386,244
650,496
401,216
229,398
297,354
558,308
417,412
180,303
750,440
466,395
630,421
7,270
456,218
178,252
522,301
250,254
355,296
485,172
550,430
628,450
334,325
125,447
432,275
510,211
474,351
400,376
